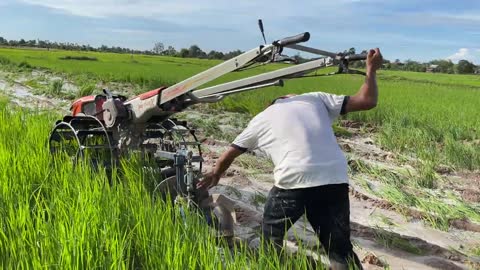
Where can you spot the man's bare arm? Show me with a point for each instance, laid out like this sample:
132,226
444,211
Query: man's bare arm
366,98
223,163
226,159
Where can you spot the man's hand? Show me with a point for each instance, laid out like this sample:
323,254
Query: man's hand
374,60
209,180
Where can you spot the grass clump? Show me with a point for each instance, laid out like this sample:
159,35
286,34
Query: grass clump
34,84
5,61
80,58
392,240
55,88
86,90
24,65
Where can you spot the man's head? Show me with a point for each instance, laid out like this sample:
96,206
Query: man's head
282,97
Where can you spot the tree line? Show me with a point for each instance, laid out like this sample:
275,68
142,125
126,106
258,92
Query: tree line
438,65
194,51
46,44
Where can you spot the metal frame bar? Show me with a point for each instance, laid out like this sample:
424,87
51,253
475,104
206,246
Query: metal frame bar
312,50
213,73
266,77
144,108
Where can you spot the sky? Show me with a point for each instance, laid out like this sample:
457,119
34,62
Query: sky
420,30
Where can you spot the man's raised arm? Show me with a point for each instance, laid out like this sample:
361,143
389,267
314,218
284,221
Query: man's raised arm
366,97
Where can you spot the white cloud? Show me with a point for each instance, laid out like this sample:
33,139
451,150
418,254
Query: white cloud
175,8
472,55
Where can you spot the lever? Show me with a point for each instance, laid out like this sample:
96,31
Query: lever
260,25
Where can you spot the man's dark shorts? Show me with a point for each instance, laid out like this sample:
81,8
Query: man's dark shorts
327,209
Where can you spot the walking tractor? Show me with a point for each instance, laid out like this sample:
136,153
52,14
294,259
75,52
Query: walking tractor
106,127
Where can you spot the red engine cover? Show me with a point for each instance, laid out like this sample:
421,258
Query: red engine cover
89,105
150,93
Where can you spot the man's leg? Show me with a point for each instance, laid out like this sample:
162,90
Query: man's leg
282,209
328,211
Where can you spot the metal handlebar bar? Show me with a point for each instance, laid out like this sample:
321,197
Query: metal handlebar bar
292,40
355,57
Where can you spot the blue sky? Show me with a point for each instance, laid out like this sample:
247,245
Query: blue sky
404,29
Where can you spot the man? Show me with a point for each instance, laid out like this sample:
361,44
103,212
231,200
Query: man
310,169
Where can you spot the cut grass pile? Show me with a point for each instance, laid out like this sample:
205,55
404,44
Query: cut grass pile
438,207
55,216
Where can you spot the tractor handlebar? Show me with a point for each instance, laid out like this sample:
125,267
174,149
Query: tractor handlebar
303,37
355,57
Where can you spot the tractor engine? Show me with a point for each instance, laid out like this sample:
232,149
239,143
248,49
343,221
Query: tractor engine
102,129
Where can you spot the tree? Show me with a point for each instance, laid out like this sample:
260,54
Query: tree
170,51
215,55
465,67
299,59
232,54
411,65
444,66
158,48
195,52
183,53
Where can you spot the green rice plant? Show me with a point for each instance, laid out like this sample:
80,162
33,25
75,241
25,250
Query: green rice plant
24,65
55,88
475,251
33,83
427,177
5,61
55,215
86,90
461,154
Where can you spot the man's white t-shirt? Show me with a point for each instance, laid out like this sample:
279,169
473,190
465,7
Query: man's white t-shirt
297,134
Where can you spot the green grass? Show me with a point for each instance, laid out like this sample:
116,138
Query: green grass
55,216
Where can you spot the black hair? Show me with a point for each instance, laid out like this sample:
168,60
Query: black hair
275,100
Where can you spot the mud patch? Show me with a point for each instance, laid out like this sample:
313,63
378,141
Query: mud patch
471,195
442,264
372,259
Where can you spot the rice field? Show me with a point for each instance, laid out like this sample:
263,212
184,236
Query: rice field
57,216
431,116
